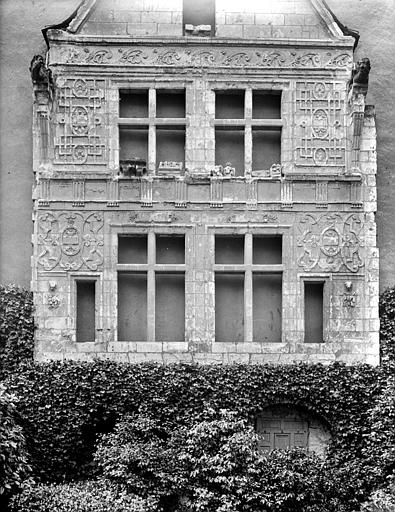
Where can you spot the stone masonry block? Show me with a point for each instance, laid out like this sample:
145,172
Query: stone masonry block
240,18
142,29
156,17
230,31
168,29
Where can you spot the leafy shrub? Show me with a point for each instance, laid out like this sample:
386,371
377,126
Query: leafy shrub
382,500
16,328
64,405
216,465
14,466
387,327
88,496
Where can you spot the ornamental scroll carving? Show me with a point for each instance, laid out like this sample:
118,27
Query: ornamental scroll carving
320,125
70,241
201,57
80,131
330,243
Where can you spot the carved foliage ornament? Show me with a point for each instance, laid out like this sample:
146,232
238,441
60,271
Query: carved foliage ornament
202,57
70,241
330,243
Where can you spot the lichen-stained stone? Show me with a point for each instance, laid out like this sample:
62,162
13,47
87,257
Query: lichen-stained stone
283,177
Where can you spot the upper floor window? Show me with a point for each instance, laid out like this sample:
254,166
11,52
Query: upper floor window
199,17
248,130
152,131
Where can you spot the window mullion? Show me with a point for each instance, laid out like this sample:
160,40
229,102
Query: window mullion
248,306
151,287
248,131
152,130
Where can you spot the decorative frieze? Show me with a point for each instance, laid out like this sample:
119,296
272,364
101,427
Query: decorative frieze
200,57
69,241
330,243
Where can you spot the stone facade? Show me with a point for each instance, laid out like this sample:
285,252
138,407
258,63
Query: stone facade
318,198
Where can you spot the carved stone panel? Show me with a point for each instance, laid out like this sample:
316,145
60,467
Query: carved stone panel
70,241
320,125
330,243
202,57
80,125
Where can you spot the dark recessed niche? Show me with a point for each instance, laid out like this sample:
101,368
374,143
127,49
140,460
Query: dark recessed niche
266,105
132,306
170,144
170,103
313,312
229,307
229,104
133,103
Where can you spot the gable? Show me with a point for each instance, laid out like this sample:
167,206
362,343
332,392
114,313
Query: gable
274,19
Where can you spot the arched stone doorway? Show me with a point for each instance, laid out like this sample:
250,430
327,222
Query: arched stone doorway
284,426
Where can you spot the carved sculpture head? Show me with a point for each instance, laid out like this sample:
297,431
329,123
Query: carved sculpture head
362,69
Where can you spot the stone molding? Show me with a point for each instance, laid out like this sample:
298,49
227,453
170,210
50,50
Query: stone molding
201,57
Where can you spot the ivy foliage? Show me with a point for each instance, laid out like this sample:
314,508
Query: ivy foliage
14,467
387,327
87,496
16,328
64,405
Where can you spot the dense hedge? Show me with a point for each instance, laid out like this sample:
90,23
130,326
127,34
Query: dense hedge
387,327
16,328
62,405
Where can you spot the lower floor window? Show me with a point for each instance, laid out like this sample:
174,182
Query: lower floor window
86,310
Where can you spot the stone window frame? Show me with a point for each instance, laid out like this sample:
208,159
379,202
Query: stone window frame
249,268
151,121
97,277
151,268
327,281
248,122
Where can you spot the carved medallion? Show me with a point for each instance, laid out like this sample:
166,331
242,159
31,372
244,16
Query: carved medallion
70,241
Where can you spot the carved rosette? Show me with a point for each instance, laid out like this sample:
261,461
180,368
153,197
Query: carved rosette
70,241
330,243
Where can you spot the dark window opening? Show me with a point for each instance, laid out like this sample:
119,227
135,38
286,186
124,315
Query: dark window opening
133,103
170,249
267,250
229,249
170,145
169,307
132,306
313,312
86,310
266,105
229,149
133,144
229,307
170,103
282,428
132,249
229,104
199,13
267,307
266,148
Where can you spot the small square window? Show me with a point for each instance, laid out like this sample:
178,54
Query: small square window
133,103
170,249
132,249
266,105
229,249
170,103
229,104
267,250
